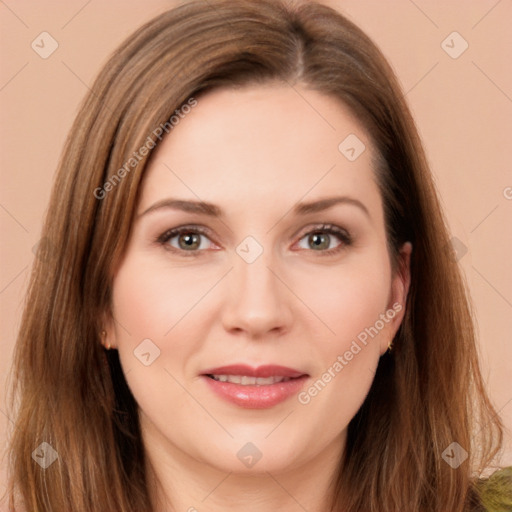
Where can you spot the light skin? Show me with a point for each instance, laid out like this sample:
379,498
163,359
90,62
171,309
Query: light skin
254,152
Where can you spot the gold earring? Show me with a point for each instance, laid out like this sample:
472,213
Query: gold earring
390,346
105,344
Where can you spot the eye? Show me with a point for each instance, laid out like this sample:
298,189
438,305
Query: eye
190,240
321,239
185,239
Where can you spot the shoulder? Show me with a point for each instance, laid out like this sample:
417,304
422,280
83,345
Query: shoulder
495,492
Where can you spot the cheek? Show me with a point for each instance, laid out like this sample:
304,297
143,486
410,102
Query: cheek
150,299
151,302
348,299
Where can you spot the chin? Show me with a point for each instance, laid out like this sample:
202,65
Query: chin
258,456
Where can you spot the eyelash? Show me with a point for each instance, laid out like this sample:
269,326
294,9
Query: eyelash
343,235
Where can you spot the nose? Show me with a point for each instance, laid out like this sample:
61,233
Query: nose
257,302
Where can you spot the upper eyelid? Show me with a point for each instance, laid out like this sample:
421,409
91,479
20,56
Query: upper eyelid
203,230
326,226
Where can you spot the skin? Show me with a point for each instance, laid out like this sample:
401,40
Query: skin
254,152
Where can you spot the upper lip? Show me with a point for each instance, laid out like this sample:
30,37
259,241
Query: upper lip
268,370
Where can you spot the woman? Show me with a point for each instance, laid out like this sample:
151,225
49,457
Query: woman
244,241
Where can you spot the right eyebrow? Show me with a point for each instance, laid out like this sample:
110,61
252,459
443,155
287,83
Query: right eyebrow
199,207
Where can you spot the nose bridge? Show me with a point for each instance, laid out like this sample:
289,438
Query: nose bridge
256,302
255,279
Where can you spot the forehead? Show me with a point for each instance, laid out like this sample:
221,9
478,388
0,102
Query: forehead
259,142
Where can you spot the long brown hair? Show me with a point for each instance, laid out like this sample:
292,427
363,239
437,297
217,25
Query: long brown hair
427,393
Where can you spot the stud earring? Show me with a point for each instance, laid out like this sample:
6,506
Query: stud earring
104,343
390,346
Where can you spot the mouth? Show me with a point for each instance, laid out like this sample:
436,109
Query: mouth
255,388
245,380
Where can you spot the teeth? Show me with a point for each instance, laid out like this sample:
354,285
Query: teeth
244,380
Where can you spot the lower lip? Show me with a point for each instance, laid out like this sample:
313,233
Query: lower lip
256,397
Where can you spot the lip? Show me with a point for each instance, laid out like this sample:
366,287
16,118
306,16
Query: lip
252,396
268,370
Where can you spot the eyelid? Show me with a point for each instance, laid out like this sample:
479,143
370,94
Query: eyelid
203,230
325,226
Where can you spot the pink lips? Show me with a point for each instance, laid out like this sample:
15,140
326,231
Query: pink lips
255,396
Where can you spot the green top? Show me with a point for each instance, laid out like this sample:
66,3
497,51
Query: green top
496,491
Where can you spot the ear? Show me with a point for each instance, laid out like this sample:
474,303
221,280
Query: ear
400,282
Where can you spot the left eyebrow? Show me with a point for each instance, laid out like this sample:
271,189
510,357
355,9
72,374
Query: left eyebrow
328,202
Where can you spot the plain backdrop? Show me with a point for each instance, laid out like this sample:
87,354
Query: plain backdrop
461,99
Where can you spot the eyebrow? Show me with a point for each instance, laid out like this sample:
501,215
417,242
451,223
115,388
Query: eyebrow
212,210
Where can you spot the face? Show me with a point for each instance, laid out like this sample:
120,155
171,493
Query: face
293,293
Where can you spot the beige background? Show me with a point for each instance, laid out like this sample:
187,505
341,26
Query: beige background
463,108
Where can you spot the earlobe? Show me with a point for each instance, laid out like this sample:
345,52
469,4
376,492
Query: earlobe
106,334
104,340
